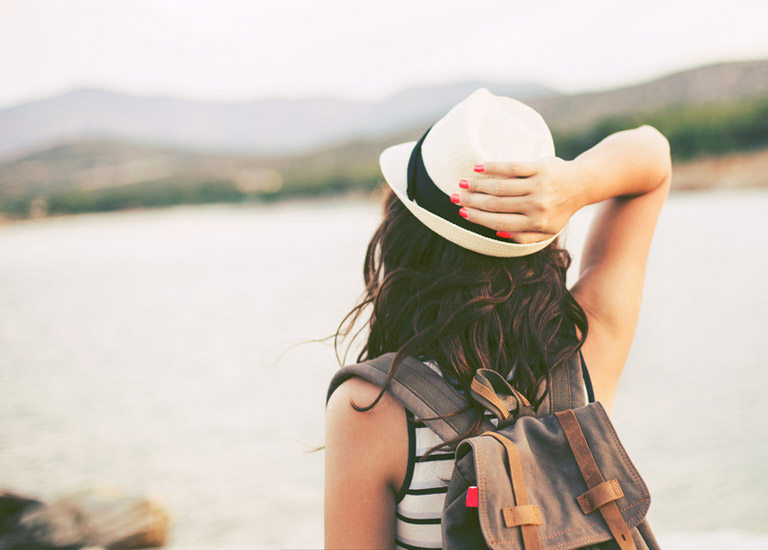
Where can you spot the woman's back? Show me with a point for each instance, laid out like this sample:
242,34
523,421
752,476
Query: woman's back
465,310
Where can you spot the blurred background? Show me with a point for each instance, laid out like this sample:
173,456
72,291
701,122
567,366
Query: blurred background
187,190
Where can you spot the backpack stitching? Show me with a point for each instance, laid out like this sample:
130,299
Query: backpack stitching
627,462
481,479
583,539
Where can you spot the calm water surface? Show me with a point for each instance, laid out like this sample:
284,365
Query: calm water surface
166,352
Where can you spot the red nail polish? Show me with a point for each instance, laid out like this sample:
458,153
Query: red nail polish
479,168
455,198
464,184
503,235
463,213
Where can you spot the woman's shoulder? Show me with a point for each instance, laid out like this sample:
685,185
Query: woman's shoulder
357,392
366,457
378,436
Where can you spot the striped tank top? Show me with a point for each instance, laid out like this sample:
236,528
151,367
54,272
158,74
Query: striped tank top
421,500
420,504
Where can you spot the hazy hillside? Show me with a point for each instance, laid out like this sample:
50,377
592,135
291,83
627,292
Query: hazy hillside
289,126
715,117
724,82
268,126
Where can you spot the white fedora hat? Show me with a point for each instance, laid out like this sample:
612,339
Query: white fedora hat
423,174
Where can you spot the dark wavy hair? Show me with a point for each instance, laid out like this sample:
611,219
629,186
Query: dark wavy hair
430,298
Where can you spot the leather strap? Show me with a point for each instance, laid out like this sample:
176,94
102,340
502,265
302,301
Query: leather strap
599,495
593,478
526,514
531,540
488,398
495,393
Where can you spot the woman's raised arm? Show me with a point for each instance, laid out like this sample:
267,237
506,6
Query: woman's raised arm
629,174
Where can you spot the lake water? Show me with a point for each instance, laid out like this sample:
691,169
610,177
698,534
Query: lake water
167,352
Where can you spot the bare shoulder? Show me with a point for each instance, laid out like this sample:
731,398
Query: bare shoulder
366,463
362,393
377,438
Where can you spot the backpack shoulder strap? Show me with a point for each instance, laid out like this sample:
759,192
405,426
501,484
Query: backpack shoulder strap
566,387
419,389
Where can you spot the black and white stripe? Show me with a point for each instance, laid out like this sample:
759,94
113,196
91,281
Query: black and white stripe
420,508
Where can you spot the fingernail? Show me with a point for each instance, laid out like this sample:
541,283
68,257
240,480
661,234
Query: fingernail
464,184
455,198
463,213
479,168
503,235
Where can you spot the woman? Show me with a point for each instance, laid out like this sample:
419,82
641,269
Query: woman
465,272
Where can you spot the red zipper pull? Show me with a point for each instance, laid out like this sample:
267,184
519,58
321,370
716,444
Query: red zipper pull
472,496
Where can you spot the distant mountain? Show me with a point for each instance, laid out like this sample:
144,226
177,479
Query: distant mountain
297,126
96,150
720,83
269,126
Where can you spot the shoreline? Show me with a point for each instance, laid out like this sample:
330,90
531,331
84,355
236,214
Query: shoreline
735,172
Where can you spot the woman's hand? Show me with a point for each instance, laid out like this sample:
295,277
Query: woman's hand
523,201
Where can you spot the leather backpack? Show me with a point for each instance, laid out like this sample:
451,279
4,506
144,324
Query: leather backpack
557,478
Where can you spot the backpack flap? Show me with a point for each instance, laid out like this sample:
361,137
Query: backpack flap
539,488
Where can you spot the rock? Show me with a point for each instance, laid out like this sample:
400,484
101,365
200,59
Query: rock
119,521
11,506
15,536
106,518
57,525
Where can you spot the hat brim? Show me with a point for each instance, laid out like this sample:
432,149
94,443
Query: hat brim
394,167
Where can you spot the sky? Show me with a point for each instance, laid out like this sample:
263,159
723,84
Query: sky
365,49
